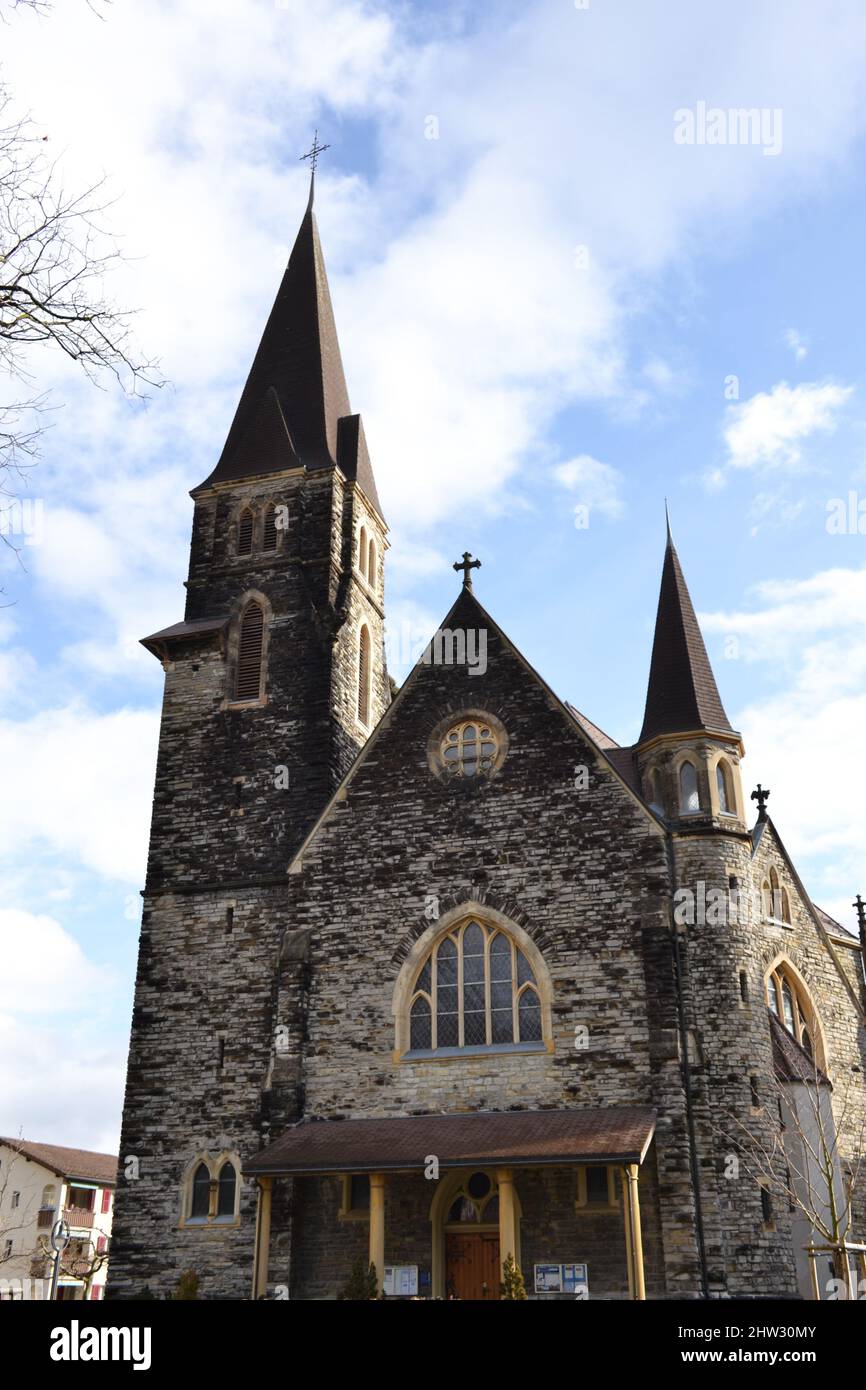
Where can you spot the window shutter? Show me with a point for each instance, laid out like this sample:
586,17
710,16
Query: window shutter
269,541
245,533
249,672
364,676
106,1199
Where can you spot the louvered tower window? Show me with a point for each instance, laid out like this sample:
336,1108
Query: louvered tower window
364,676
248,680
245,532
269,539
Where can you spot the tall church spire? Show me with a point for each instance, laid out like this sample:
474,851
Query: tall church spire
294,409
682,695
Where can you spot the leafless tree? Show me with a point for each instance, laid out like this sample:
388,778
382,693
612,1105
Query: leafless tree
56,255
805,1146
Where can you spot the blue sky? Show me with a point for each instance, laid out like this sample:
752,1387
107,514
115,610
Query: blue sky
542,307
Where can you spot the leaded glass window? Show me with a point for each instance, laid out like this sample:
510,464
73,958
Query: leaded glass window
476,989
788,1001
470,749
689,800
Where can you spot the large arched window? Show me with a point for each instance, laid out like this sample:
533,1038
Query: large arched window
248,675
788,1000
475,989
725,786
245,532
689,800
364,675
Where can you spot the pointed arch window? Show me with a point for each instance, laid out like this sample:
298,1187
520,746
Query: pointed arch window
653,795
248,676
788,1001
372,563
200,1205
476,989
362,552
364,675
269,530
245,532
227,1183
776,901
689,800
725,786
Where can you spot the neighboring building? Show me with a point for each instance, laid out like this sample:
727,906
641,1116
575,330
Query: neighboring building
413,982
39,1185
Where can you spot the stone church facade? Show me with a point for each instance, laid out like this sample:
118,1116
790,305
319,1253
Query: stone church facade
435,976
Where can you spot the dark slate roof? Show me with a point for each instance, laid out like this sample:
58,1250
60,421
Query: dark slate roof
598,736
527,1137
179,632
295,404
69,1163
682,693
791,1062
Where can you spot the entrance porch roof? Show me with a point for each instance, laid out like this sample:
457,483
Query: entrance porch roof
518,1138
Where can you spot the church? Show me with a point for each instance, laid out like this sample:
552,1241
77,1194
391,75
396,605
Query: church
435,978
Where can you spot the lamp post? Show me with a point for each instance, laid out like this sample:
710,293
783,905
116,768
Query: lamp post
59,1242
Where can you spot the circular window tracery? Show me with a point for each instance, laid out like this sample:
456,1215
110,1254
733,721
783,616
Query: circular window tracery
470,749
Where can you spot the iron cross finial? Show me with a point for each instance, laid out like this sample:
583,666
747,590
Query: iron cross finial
314,151
760,796
467,564
861,914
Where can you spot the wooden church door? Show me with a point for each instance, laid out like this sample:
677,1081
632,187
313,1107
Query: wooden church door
472,1265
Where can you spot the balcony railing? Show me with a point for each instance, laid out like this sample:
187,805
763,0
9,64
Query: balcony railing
78,1217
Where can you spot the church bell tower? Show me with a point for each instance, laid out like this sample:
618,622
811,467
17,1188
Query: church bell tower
274,679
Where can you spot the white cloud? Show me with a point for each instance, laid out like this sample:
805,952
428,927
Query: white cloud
594,484
39,957
802,737
61,1083
769,429
80,784
797,344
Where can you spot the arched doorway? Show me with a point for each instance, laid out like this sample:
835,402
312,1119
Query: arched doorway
465,1228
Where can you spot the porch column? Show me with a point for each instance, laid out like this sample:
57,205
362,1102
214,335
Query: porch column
626,1221
263,1238
507,1216
377,1226
632,1172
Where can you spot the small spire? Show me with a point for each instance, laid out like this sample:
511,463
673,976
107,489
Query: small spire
668,523
467,564
682,694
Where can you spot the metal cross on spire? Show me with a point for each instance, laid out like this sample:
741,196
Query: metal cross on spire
467,564
314,151
760,796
